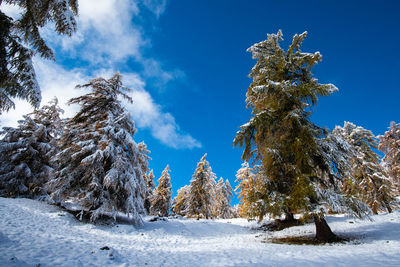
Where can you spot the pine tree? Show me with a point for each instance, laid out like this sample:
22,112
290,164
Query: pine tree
149,178
100,165
389,143
180,202
161,200
368,182
296,155
17,75
244,177
201,195
26,152
251,191
223,194
144,164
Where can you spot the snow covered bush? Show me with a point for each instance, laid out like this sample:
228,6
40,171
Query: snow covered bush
100,169
26,152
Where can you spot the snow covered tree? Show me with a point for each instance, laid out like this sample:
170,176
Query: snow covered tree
180,202
100,165
17,75
244,177
201,196
26,152
296,156
251,190
149,178
223,195
389,143
161,200
144,162
368,180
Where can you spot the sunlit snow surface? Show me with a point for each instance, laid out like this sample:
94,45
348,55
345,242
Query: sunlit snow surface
33,232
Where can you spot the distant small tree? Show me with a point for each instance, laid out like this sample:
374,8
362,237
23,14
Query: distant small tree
144,164
389,143
223,195
100,165
251,191
161,200
369,181
149,178
26,152
180,202
201,195
17,75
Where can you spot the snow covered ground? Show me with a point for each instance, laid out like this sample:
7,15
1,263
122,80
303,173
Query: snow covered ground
33,232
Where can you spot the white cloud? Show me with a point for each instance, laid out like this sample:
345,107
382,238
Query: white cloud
105,33
153,69
57,81
106,39
148,114
156,6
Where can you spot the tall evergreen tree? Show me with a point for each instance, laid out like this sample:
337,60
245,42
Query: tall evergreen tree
369,181
26,152
17,75
389,143
161,200
201,195
100,165
295,157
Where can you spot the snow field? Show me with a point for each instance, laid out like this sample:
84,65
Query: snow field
33,232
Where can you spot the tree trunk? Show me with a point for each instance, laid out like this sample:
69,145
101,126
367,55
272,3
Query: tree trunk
289,217
323,231
389,209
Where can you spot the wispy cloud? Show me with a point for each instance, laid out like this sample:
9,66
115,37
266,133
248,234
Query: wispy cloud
156,6
107,39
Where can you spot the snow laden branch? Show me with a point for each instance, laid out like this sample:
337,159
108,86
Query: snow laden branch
101,168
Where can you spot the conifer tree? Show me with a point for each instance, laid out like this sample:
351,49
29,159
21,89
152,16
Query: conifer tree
201,196
180,202
161,200
244,178
149,178
17,75
251,190
368,182
100,165
223,194
26,152
389,143
296,155
144,162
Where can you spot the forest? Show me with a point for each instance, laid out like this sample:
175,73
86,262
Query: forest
92,167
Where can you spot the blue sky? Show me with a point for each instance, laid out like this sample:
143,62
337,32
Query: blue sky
188,63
